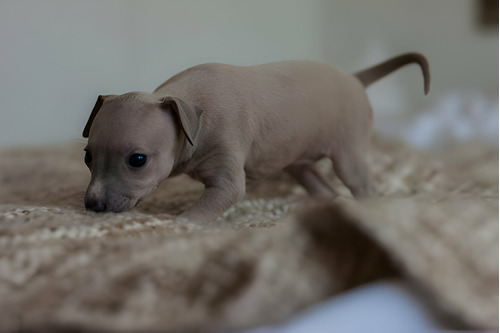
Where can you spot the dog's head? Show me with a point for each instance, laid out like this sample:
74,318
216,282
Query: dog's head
134,140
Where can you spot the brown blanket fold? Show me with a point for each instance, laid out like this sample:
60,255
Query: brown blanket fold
277,252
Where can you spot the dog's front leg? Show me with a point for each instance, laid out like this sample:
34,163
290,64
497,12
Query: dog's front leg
224,186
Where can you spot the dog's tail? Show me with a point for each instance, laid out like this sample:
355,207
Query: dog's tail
372,74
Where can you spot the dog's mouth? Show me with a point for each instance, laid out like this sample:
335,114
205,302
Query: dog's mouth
128,203
116,203
125,204
137,202
139,199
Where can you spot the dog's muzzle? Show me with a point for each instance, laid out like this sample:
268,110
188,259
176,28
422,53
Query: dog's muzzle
95,205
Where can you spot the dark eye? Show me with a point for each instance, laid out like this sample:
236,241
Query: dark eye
137,160
88,158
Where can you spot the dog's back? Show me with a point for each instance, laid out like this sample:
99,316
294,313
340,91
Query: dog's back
276,113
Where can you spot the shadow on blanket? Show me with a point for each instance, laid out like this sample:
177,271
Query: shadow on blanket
435,223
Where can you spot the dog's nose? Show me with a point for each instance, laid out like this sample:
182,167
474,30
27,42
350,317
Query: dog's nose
95,205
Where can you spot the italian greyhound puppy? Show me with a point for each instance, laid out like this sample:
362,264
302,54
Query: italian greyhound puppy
223,125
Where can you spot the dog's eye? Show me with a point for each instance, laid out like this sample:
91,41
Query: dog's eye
88,158
137,160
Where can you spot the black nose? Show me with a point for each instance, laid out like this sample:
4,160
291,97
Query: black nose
95,205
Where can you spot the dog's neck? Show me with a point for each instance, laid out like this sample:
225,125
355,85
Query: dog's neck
185,152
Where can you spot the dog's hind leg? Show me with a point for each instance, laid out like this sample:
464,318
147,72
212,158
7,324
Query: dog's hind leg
352,170
307,176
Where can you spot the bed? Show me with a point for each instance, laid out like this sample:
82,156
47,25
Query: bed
433,224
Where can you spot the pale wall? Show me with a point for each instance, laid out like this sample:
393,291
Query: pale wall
56,55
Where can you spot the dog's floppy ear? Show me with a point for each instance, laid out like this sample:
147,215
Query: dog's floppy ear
188,115
96,108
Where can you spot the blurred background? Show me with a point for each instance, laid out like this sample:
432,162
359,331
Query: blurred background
57,56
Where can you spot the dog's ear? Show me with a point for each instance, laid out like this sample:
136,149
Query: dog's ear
96,108
188,115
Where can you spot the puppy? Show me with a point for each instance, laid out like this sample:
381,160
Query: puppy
224,124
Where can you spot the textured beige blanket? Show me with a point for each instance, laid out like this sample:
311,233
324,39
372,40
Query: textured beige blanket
435,224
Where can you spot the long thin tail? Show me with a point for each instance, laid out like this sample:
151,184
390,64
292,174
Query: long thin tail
372,74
